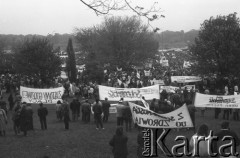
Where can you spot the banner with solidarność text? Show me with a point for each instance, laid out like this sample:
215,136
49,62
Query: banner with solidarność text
217,101
129,94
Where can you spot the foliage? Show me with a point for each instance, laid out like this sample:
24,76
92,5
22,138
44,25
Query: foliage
217,47
36,58
119,41
71,62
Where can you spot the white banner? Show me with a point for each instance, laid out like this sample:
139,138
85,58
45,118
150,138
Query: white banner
217,101
155,82
113,109
184,79
172,89
47,96
178,118
129,94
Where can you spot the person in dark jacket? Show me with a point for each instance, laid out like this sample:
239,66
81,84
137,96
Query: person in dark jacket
29,111
119,144
105,107
225,131
42,113
11,102
66,117
86,111
127,117
74,108
97,109
24,119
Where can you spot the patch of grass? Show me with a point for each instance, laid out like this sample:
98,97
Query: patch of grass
82,140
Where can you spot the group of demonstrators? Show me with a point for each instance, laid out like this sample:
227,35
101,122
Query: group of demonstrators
150,106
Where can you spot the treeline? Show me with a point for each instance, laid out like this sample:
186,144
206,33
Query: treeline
167,39
9,42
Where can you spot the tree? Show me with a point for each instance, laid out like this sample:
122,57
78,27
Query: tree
103,7
36,58
217,47
120,41
71,62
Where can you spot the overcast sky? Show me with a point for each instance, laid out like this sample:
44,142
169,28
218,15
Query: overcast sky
62,16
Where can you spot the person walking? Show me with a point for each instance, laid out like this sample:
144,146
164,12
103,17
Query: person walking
97,111
119,144
105,106
3,122
42,113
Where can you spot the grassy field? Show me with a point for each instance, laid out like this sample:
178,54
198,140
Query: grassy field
82,140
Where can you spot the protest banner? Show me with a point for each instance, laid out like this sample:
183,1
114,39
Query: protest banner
217,101
184,79
113,109
155,82
178,118
47,96
147,73
172,89
129,94
169,89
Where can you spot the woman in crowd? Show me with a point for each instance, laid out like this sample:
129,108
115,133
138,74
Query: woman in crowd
119,144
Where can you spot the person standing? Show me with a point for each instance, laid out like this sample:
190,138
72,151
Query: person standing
42,113
11,102
24,119
59,110
86,111
73,107
97,111
225,131
16,117
105,107
29,111
3,122
119,114
66,117
127,117
119,144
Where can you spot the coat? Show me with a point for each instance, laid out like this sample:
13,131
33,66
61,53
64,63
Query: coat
3,120
119,144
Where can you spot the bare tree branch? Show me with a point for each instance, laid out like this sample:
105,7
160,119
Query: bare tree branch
103,7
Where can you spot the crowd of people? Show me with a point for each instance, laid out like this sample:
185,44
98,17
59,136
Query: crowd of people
22,113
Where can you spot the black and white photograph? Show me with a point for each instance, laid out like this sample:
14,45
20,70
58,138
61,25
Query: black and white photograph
119,78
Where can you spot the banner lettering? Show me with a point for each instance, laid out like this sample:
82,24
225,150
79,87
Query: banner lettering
217,101
48,96
178,118
129,94
184,79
